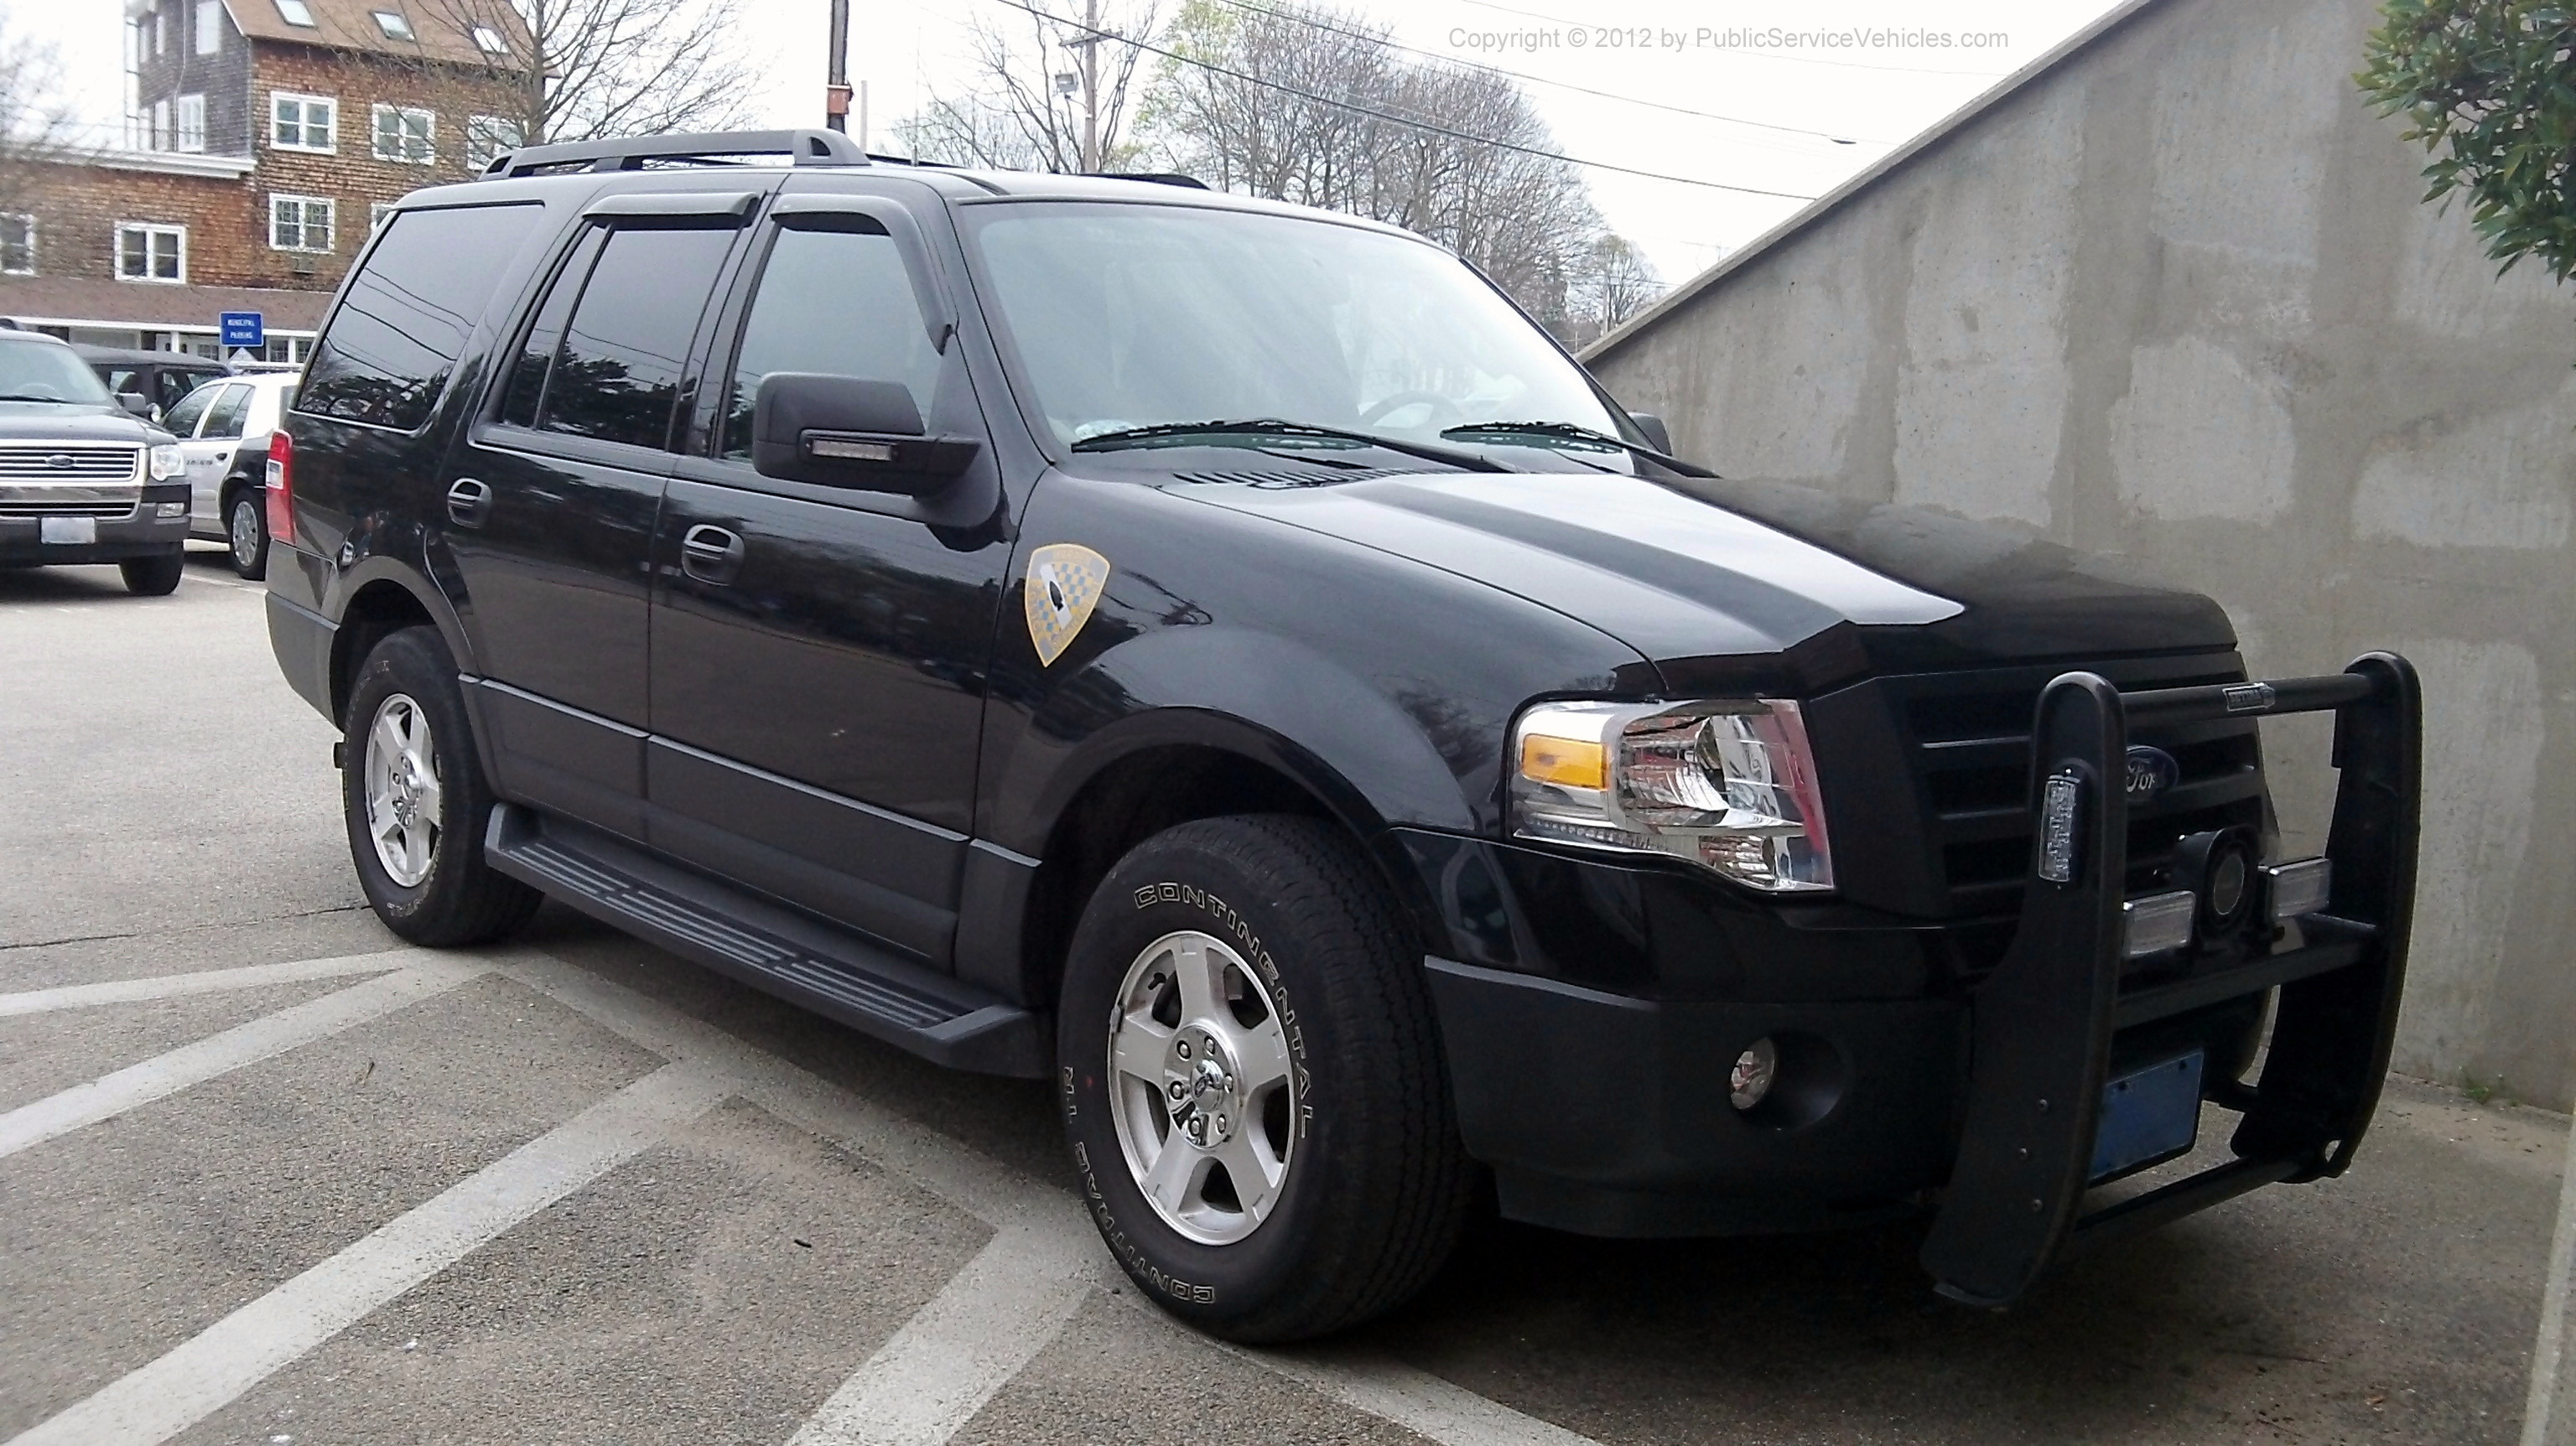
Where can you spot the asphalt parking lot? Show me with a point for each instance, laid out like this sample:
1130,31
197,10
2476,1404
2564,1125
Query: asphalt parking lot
267,1176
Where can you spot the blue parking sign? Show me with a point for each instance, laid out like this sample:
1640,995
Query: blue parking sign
243,328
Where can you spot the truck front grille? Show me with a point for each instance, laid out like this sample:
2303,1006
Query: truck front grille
69,462
1948,831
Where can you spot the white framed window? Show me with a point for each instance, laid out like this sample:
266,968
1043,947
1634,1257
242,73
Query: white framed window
303,122
406,136
300,223
295,12
160,31
17,245
189,128
487,136
161,125
377,211
210,27
149,252
394,24
489,41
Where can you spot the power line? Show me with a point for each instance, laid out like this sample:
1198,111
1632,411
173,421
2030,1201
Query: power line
1394,119
1308,20
1760,54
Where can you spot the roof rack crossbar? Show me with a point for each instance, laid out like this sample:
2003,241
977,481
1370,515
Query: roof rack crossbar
801,147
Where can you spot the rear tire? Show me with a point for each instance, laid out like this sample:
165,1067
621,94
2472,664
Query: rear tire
1243,991
416,803
246,533
154,576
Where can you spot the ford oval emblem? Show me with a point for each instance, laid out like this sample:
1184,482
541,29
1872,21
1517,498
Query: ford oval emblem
2151,772
60,461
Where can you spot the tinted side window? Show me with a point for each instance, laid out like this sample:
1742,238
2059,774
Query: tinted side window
181,420
407,315
618,370
836,301
225,418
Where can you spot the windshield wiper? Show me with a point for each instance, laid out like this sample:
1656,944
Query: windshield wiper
1568,432
1280,427
24,397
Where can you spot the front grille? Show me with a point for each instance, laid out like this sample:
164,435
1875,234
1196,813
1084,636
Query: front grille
1960,778
20,462
80,507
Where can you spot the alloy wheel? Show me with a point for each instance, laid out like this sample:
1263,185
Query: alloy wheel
1202,1087
403,796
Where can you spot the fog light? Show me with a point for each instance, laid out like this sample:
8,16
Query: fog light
1754,1071
2299,888
170,509
2158,922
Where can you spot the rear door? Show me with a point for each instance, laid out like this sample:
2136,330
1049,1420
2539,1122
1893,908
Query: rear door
549,507
819,652
210,452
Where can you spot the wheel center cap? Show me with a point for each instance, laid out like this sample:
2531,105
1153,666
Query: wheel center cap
1198,1081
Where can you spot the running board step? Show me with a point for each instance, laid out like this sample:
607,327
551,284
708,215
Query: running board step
835,973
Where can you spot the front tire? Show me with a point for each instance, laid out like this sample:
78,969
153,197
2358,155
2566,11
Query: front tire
416,803
154,576
1252,1085
246,533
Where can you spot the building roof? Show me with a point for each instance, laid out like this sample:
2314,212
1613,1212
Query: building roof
1814,211
441,29
78,301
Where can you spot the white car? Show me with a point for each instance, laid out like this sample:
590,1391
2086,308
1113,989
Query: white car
223,429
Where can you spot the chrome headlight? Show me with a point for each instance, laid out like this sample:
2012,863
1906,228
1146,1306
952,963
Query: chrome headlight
167,462
1728,785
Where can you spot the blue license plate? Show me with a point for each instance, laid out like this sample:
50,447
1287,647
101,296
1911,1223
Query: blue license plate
2148,1115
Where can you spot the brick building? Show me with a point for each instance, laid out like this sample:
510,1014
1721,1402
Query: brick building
264,137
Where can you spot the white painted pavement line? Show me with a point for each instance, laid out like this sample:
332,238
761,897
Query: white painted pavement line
210,1370
1031,1216
964,1344
2549,1359
209,981
217,1054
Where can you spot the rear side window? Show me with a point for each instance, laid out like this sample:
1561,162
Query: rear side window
408,313
616,371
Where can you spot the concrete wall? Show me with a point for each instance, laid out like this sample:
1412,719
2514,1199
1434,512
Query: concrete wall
2175,298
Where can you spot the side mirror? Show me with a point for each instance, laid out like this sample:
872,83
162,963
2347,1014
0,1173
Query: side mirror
836,431
136,403
1658,436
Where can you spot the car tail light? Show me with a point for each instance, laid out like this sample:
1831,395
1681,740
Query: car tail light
281,488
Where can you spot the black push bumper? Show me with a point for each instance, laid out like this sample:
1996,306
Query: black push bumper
2046,1021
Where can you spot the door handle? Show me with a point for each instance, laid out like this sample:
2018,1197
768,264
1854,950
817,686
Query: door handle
711,555
468,502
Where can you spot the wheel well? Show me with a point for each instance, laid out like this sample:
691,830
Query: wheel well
1130,801
380,608
233,487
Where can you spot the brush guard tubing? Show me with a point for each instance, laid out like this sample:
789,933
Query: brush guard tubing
2044,1020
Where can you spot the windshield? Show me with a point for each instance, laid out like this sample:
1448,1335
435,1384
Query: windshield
41,372
1137,316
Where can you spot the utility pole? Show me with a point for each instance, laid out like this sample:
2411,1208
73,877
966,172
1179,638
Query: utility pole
836,91
1089,43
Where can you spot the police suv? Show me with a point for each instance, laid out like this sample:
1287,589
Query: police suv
1226,660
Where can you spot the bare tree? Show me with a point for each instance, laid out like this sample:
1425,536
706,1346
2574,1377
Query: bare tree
35,121
578,70
1613,284
1053,90
1304,103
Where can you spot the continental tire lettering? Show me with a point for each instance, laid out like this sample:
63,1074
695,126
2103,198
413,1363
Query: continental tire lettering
1233,923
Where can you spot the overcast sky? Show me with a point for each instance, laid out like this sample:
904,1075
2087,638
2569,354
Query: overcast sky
1871,72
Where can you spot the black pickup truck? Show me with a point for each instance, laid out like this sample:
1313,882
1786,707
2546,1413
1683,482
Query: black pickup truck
1226,660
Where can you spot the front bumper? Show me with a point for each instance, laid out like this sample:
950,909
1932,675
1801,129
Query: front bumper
139,534
1591,1013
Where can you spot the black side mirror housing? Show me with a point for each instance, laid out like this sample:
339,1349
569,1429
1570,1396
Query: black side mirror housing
136,403
836,431
1658,436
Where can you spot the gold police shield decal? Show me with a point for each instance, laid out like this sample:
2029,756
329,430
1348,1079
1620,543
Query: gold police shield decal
1065,581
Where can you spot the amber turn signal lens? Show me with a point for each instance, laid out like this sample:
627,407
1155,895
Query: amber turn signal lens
1567,762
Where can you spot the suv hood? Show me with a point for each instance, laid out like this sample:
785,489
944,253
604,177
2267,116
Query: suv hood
56,422
1729,585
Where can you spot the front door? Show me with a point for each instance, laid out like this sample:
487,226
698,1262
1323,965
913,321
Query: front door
209,454
549,509
819,652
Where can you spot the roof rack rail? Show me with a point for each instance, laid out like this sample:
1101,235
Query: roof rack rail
1159,178
633,153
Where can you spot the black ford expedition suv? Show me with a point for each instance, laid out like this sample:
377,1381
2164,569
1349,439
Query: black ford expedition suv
81,478
1225,660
